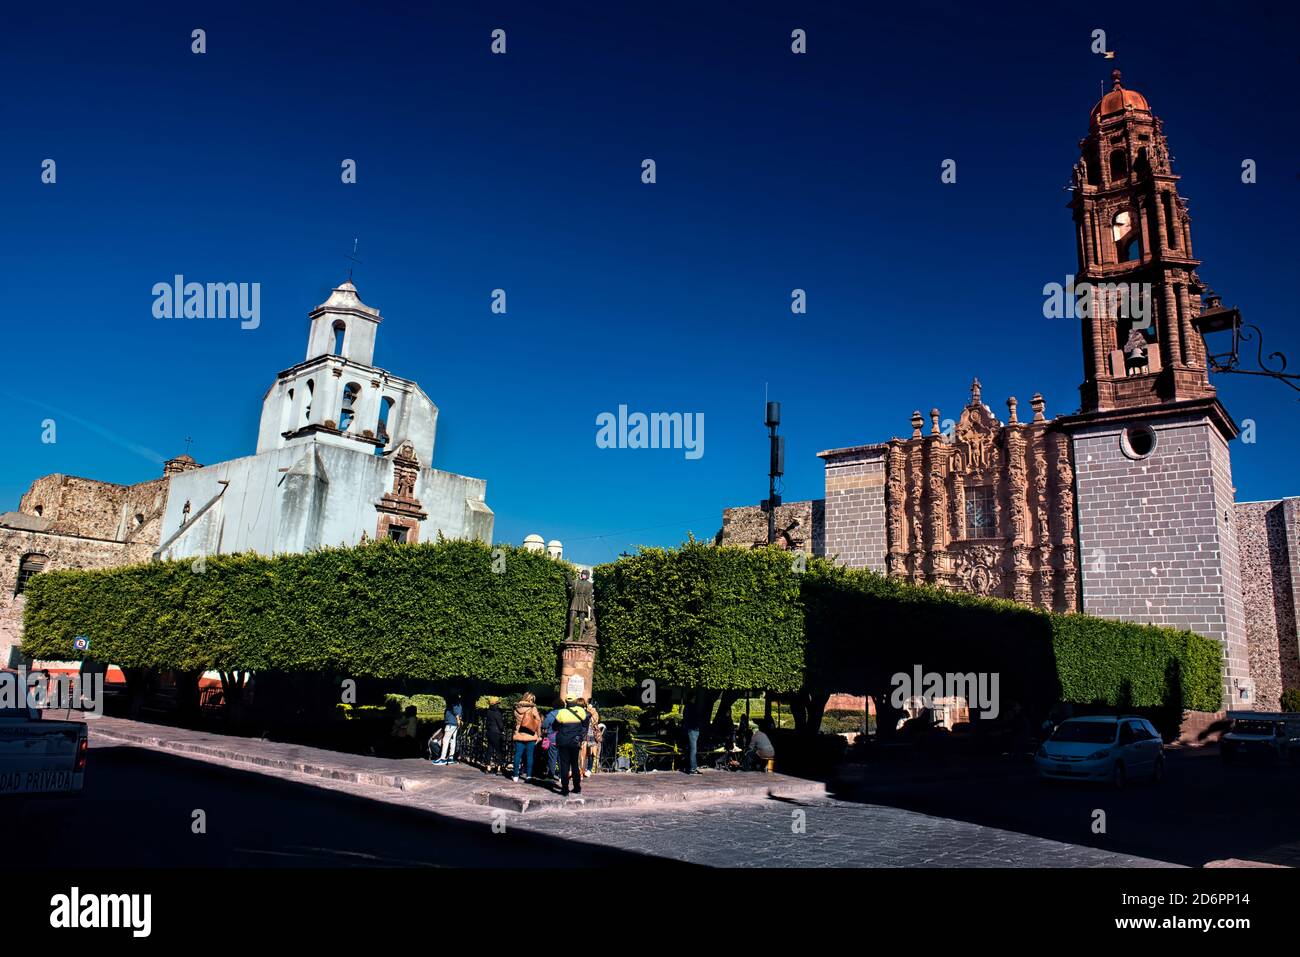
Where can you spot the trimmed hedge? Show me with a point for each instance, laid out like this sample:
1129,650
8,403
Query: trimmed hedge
384,610
728,618
720,618
864,627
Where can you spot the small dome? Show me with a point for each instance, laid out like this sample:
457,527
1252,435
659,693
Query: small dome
1117,101
535,543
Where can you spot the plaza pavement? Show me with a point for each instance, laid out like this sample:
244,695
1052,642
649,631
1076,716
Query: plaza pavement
717,818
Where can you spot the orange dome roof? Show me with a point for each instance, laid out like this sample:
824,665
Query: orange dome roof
1118,100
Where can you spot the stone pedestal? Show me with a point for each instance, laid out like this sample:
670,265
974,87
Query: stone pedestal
577,668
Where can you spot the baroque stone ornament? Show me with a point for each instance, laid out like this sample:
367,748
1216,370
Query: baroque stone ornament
978,569
987,509
400,512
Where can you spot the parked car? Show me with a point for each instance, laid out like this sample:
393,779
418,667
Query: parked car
38,756
1114,748
1271,735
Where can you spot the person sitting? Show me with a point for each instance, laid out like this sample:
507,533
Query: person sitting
760,750
402,735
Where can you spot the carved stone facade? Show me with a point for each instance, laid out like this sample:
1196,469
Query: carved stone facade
400,512
986,508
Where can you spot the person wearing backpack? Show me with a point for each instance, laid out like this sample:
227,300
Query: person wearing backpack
548,741
528,726
571,723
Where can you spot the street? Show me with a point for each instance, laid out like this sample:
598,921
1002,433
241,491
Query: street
138,809
1201,812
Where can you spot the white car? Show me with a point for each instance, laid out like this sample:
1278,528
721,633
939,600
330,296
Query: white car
38,756
1102,748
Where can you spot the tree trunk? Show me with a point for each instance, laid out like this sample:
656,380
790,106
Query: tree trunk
886,715
815,709
232,689
138,684
723,716
187,695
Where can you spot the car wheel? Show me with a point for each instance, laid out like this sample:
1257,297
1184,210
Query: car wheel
1158,772
1118,777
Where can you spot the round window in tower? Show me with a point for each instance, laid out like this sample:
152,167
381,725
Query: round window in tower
1138,441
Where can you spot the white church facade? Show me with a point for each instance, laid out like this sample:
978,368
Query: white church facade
344,454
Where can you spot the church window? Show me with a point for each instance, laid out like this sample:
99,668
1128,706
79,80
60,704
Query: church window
347,414
980,519
29,565
1094,165
397,533
1171,227
40,510
1138,441
340,329
1125,235
385,407
311,391
1118,165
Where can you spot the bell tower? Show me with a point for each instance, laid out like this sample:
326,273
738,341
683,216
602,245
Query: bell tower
1154,497
1134,245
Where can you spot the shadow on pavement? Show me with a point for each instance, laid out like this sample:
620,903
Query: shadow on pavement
1203,811
139,810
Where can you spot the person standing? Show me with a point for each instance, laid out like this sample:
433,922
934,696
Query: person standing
571,723
450,729
548,736
528,724
591,747
691,725
494,726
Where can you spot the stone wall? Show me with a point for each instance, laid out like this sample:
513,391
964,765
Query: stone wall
61,551
1157,538
1268,536
92,509
75,523
799,526
855,506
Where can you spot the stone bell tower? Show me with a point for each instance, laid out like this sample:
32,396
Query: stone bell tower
1134,245
1155,500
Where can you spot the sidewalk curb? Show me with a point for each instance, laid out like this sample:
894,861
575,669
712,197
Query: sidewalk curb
532,800
546,801
375,778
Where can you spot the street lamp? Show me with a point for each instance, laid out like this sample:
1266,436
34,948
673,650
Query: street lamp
1216,319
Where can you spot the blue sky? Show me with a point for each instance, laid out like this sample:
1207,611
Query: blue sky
522,172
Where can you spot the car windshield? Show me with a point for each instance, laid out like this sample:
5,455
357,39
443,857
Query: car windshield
1085,732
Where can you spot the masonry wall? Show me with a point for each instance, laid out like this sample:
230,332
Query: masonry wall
747,525
307,495
1157,535
62,551
855,506
92,509
1268,534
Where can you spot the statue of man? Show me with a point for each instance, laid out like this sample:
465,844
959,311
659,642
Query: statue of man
580,606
